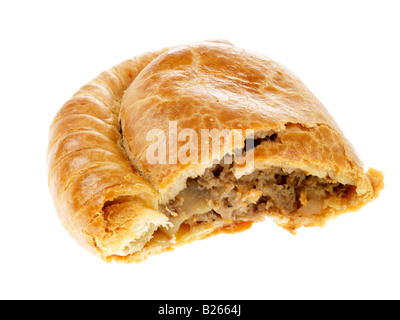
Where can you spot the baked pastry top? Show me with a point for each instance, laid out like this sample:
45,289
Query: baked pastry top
123,207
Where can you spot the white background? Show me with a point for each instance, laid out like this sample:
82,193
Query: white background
347,52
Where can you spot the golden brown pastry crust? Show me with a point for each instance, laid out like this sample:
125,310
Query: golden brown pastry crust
105,191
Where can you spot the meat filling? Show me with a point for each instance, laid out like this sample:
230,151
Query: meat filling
218,195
